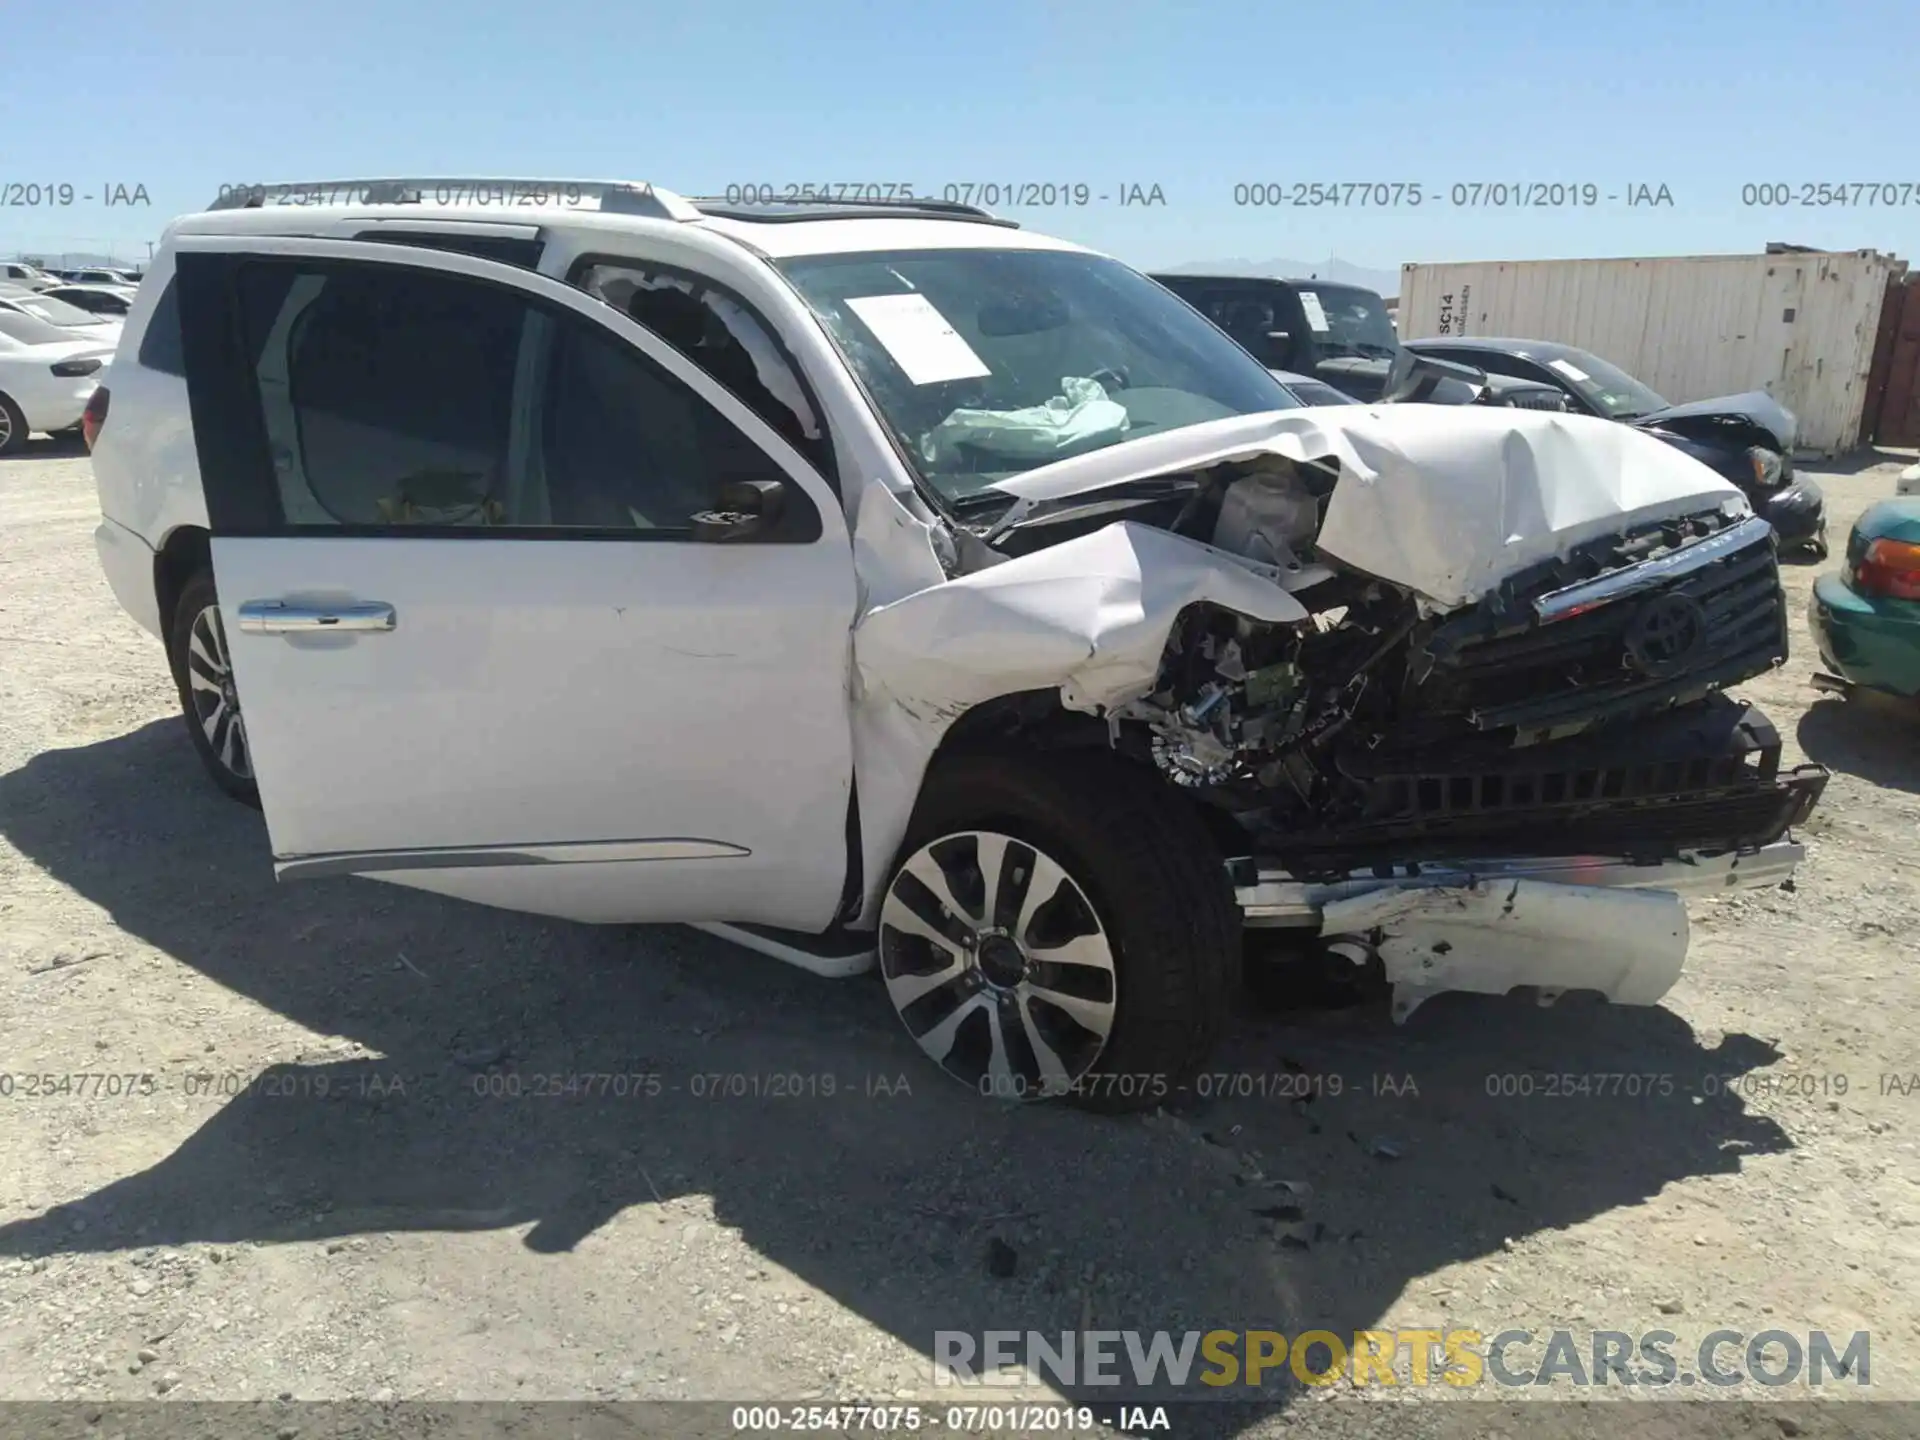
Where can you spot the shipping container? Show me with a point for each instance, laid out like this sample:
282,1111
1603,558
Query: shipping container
1799,325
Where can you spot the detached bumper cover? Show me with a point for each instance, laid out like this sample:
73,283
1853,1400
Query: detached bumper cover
1270,896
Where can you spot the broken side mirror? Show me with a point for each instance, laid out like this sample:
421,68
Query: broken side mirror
746,510
1414,378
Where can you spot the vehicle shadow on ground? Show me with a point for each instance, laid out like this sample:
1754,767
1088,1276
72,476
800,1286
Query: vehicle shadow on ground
1865,457
49,447
1422,1146
1876,737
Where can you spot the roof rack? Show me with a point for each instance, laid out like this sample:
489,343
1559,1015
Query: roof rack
825,207
622,197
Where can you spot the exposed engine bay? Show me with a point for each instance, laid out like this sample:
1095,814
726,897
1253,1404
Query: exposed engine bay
1575,708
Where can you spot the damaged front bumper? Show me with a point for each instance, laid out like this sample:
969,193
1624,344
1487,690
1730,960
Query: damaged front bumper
1269,896
1587,923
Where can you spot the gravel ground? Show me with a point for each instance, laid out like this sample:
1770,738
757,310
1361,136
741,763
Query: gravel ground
323,1192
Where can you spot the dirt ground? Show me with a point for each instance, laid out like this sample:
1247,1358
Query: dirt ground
323,1190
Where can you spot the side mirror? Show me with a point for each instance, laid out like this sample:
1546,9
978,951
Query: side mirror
746,510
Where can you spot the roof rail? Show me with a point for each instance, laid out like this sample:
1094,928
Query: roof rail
827,207
624,197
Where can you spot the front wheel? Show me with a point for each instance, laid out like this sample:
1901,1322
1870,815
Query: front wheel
209,699
1059,925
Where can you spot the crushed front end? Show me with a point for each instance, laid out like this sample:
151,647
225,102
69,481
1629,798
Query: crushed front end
1457,679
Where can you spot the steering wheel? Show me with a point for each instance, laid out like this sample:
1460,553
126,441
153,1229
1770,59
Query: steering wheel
1113,377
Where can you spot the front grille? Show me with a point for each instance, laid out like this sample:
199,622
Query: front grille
1708,776
1503,668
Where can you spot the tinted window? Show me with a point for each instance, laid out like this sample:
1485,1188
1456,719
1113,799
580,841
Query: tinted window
401,399
160,346
723,337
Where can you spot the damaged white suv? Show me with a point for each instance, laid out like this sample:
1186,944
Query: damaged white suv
863,580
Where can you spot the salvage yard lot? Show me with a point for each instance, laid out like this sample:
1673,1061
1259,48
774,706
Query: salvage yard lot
342,1165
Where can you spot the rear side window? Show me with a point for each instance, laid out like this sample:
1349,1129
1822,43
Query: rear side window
160,346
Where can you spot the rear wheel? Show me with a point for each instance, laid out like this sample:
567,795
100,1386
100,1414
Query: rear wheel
1059,925
209,699
13,427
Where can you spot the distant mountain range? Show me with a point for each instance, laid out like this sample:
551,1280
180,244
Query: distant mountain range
80,260
1385,283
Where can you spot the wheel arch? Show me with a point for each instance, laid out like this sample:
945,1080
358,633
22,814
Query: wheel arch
1022,722
186,551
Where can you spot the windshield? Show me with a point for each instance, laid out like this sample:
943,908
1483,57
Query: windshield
1607,388
1346,321
55,312
989,363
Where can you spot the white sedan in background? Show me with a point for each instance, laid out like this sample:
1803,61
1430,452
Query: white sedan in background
46,377
73,322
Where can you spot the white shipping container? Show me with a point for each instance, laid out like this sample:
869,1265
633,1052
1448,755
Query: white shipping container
1799,326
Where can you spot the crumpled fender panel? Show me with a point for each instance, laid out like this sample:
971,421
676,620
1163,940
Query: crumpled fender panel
1089,617
1493,936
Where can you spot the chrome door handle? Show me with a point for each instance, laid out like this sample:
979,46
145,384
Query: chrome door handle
276,617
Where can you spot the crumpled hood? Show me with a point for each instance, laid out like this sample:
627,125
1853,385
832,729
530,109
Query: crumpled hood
1755,405
1447,501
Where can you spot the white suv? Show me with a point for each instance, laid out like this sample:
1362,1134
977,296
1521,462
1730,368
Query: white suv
885,579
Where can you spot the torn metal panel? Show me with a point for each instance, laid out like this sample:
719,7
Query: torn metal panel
1090,616
1490,938
1445,500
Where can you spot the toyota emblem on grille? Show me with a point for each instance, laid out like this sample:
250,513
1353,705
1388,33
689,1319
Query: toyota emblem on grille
1664,634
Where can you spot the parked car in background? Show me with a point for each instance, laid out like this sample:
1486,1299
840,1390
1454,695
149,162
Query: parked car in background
46,377
1747,438
1339,338
110,301
1309,391
79,324
100,275
1865,617
1338,334
26,273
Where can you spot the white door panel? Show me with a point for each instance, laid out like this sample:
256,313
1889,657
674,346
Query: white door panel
534,692
606,729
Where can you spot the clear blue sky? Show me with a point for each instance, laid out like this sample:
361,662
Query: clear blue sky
1700,97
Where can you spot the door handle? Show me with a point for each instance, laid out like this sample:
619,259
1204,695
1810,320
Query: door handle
276,617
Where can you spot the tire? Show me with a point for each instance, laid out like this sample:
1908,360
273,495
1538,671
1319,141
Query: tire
1818,545
1134,889
13,427
209,704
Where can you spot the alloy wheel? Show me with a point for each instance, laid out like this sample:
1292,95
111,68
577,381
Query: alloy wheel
6,428
998,965
216,703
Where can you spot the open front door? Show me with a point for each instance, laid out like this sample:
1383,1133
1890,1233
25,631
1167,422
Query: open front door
488,636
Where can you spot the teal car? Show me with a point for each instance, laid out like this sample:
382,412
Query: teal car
1866,616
